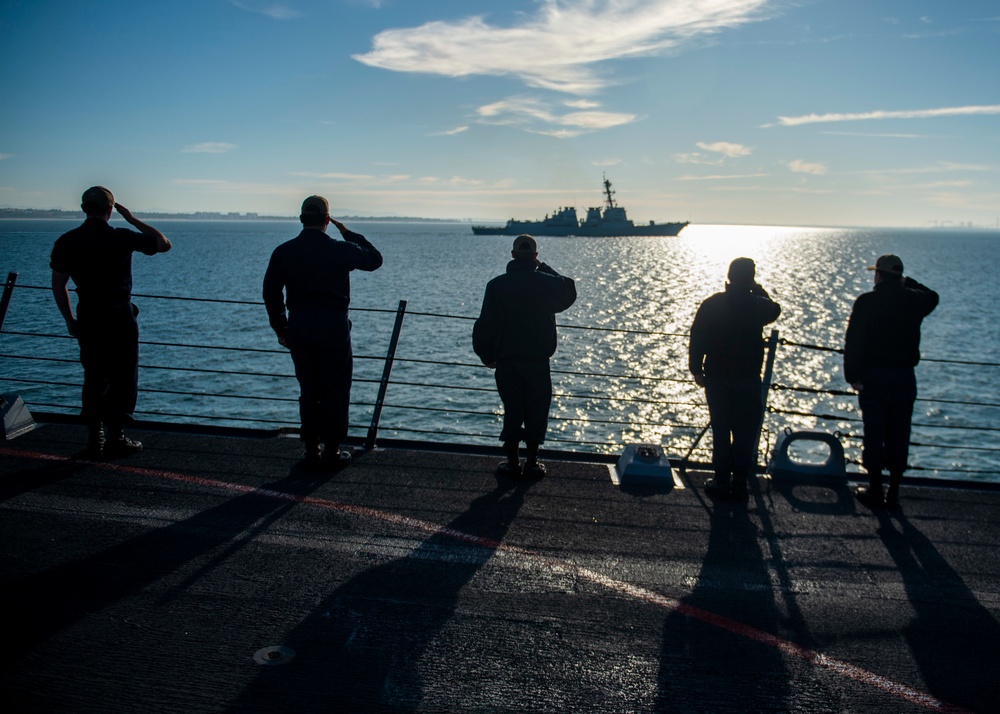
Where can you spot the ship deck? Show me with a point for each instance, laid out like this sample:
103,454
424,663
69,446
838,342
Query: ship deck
415,580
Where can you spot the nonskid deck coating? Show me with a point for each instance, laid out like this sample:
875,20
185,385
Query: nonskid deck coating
416,581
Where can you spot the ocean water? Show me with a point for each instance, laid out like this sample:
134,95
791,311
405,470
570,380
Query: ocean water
620,369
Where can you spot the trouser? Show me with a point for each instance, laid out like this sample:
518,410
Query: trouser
886,402
525,388
320,343
109,354
734,407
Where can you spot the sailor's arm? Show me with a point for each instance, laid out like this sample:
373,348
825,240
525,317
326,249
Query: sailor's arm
60,291
162,243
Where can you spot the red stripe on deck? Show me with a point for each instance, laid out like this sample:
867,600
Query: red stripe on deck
736,627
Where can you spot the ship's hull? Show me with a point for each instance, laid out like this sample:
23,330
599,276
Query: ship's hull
514,228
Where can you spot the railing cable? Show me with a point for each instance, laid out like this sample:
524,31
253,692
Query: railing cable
835,417
840,350
566,418
845,393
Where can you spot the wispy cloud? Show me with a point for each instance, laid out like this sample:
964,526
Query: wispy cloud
721,177
454,181
883,114
806,167
559,46
876,135
275,11
726,148
535,115
583,104
452,132
209,147
243,188
946,184
966,200
355,180
5,156
696,157
333,176
937,168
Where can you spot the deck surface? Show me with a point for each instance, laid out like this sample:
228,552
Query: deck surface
416,581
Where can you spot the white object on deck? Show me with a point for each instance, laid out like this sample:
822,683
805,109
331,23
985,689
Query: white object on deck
17,419
782,464
644,465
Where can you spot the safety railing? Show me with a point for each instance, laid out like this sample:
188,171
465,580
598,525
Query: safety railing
950,437
409,388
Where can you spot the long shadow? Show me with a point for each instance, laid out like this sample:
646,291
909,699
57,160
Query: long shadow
47,602
360,650
25,480
954,639
705,668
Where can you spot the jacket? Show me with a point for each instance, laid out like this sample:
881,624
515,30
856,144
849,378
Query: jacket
725,336
312,272
517,320
884,328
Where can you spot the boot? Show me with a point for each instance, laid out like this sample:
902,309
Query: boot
312,456
118,444
720,486
532,467
872,495
95,441
738,487
334,457
892,493
512,466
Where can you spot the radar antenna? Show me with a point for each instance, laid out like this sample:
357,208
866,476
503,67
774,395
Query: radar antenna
609,195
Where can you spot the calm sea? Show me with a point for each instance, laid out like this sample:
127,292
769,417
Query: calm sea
621,363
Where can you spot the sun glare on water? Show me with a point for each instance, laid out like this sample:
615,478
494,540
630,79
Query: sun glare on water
713,247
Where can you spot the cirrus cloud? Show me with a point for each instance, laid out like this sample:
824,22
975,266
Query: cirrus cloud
559,47
208,147
883,114
726,148
806,167
535,115
275,11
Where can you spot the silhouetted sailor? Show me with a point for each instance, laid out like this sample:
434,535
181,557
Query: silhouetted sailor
516,335
881,348
725,356
98,258
307,291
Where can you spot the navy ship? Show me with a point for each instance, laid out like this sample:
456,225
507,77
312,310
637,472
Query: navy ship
609,221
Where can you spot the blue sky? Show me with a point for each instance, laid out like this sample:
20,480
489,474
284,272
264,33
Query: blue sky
790,112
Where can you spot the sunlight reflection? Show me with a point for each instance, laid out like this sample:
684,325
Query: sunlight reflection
713,247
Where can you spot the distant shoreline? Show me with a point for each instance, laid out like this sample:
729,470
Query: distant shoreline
42,213
58,214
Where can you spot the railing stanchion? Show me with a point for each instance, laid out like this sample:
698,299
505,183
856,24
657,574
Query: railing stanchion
765,385
390,356
8,291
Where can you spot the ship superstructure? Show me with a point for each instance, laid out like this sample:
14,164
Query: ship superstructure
609,220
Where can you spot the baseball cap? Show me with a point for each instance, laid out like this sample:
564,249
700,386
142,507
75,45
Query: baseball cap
888,264
315,206
524,246
97,198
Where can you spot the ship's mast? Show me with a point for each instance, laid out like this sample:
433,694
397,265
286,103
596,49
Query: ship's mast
609,195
